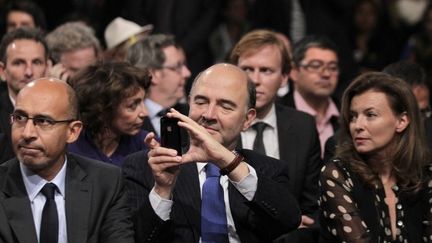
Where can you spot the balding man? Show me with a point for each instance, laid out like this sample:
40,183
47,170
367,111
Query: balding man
211,193
47,194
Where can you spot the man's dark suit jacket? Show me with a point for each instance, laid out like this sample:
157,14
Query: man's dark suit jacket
272,212
6,108
96,209
299,148
288,100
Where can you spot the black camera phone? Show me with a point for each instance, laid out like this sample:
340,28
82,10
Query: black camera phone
171,134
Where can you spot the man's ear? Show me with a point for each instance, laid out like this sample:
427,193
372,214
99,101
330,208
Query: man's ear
285,77
294,74
74,131
156,75
402,123
250,116
2,71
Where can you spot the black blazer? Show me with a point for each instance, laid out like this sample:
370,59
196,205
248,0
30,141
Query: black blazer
6,108
272,212
299,148
288,100
95,204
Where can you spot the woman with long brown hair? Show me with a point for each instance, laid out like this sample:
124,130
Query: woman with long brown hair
377,189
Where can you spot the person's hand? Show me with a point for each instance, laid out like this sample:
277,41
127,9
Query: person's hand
203,146
164,163
58,71
306,221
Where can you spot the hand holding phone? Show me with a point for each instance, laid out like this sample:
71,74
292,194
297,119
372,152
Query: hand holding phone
171,134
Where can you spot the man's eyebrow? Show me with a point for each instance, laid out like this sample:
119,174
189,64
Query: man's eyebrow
21,112
200,97
229,102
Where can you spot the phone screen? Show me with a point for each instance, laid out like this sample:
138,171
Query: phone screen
171,134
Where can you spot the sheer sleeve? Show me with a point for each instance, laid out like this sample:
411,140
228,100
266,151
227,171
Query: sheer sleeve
340,215
427,220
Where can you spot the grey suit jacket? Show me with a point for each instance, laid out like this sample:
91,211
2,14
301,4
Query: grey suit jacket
96,209
272,212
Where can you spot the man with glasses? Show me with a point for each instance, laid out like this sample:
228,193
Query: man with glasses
23,57
315,76
166,61
47,194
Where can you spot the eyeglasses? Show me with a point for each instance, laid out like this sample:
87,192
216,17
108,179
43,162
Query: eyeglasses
41,122
176,68
317,66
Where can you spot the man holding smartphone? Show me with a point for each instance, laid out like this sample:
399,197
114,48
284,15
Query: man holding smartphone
250,201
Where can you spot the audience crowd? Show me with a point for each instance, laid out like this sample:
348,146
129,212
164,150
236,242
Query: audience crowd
298,121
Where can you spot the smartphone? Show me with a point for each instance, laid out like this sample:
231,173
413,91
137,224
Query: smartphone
171,134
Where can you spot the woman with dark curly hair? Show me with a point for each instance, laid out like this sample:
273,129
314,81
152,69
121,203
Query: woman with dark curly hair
378,187
110,97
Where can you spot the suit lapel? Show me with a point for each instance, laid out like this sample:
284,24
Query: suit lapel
17,205
187,191
78,201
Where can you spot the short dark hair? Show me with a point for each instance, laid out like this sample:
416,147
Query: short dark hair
101,88
300,48
410,72
26,6
22,34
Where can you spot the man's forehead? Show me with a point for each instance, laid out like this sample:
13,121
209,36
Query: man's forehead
26,49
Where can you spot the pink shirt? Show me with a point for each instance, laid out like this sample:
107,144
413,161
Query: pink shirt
324,127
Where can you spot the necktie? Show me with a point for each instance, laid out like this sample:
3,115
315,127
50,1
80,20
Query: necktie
213,217
49,223
162,112
258,144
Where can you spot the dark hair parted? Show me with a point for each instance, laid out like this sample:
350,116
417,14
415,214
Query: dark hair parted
27,6
22,34
101,89
312,41
410,153
254,40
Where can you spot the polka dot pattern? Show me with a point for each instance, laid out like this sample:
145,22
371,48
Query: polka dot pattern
342,218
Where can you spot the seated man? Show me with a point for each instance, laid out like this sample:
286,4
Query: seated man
250,202
48,195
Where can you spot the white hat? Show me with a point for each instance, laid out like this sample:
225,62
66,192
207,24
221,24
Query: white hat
120,29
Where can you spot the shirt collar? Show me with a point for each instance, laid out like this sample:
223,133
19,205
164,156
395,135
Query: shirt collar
269,119
34,183
302,105
152,107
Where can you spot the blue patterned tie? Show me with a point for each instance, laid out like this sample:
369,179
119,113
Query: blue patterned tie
213,217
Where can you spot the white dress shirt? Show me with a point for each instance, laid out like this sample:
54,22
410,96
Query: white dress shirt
33,184
247,187
153,108
270,134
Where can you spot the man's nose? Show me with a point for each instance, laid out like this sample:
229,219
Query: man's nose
28,70
210,112
255,77
29,130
